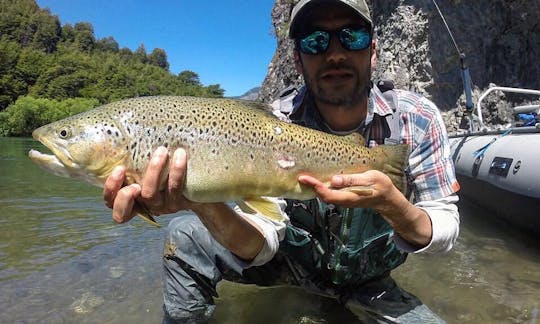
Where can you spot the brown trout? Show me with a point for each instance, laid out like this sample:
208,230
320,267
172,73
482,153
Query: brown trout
236,151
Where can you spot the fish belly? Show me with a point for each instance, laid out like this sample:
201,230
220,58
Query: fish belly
239,173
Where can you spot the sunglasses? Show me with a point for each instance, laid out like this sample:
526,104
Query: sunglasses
352,38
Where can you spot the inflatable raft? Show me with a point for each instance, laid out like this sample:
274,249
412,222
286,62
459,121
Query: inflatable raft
500,169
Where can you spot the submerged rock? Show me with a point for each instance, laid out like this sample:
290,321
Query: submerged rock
86,303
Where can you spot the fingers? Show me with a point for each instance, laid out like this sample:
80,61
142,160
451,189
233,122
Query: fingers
124,202
350,180
326,193
335,193
151,183
112,185
312,182
177,172
158,198
121,200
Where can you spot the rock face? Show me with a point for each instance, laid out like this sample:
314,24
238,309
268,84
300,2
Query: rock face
500,38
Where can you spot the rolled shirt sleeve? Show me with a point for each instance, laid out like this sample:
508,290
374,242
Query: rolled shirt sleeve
444,217
273,232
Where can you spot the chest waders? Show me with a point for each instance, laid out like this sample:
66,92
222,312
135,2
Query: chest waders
343,246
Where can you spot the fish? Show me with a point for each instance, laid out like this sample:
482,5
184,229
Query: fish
236,150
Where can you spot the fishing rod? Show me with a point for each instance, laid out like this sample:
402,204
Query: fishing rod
465,73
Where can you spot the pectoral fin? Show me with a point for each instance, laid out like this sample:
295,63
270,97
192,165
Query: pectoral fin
263,206
145,214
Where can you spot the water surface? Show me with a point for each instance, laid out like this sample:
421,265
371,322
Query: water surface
63,260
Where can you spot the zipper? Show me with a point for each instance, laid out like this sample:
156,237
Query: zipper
335,263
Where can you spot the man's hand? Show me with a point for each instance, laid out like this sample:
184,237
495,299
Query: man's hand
159,198
384,197
411,222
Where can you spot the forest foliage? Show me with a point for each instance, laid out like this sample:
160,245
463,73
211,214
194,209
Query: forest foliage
49,71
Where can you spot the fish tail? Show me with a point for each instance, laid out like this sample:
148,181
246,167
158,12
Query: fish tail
395,163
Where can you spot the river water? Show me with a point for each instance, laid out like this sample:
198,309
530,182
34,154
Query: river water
63,260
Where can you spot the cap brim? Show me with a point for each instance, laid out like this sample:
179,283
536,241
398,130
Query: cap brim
303,7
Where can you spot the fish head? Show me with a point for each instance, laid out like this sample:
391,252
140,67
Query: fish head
85,147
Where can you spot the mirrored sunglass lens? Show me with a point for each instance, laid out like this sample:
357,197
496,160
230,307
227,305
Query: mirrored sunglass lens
314,43
355,39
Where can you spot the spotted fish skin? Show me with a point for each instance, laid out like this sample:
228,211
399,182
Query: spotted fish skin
235,149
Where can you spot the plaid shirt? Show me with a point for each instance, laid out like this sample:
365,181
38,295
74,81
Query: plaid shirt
430,173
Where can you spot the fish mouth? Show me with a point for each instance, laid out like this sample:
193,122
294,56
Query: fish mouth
49,163
61,161
58,162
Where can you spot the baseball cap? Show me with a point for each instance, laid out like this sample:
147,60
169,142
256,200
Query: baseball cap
301,8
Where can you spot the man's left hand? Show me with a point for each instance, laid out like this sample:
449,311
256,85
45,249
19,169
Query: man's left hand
412,223
384,198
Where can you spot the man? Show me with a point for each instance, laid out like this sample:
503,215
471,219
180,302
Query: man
342,244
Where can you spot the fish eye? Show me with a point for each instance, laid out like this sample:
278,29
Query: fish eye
64,133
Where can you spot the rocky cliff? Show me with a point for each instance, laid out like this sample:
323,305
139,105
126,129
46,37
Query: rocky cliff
500,38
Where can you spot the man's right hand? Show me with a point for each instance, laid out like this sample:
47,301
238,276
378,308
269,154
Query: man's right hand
158,198
240,235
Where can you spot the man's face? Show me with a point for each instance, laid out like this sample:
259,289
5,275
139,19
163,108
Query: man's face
337,76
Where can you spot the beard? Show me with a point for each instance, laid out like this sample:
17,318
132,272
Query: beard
350,88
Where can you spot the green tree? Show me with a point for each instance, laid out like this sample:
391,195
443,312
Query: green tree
41,58
24,116
30,65
65,77
9,55
4,127
214,90
158,57
15,21
107,44
47,31
28,113
84,36
125,53
67,34
140,54
189,77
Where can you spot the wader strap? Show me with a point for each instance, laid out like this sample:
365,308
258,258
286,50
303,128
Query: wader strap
387,89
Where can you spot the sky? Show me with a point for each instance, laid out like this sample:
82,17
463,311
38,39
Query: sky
226,42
